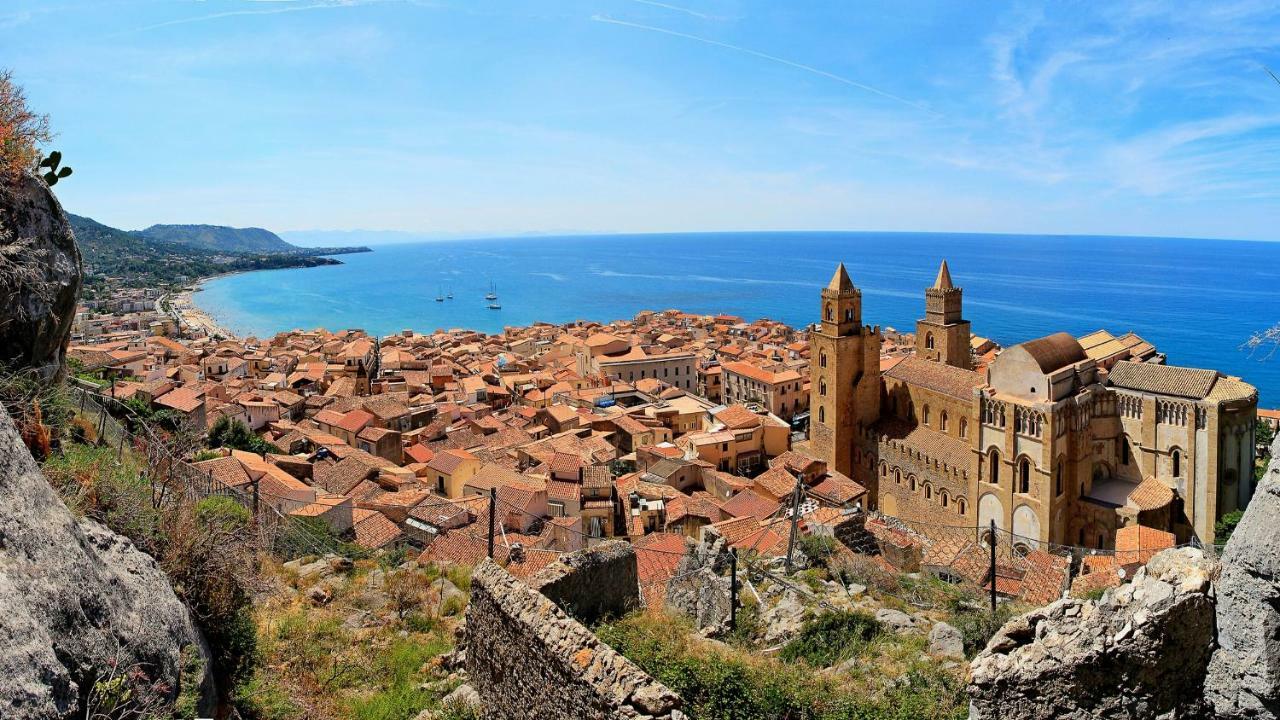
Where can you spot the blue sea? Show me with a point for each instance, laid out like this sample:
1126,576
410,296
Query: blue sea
1197,300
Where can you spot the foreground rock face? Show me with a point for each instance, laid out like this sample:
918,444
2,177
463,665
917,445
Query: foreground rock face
1244,675
79,604
40,277
1140,652
529,660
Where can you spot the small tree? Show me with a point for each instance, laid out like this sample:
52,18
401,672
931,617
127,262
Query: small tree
228,432
22,131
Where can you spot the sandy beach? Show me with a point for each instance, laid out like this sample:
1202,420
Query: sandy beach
183,305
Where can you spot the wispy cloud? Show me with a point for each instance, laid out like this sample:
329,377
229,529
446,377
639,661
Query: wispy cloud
675,8
284,6
772,58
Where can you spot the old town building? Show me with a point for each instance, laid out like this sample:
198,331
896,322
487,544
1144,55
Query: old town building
1050,445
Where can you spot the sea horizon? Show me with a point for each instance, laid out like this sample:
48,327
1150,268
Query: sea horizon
1197,300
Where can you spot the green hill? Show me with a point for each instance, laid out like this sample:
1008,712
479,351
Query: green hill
219,238
118,258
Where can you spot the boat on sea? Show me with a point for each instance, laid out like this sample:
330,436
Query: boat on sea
493,292
439,296
450,294
495,305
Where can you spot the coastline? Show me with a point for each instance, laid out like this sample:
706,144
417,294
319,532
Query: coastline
190,315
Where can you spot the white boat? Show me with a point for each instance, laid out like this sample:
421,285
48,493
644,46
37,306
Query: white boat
439,296
495,305
492,294
450,295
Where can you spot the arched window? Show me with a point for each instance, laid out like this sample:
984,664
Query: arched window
822,386
1124,450
993,467
928,491
960,506
946,500
848,315
913,483
924,415
964,428
897,476
822,414
822,360
928,341
1177,463
830,313
943,421
1024,476
1057,483
884,470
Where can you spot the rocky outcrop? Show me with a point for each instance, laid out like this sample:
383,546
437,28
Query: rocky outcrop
40,277
697,590
1140,652
1244,675
80,605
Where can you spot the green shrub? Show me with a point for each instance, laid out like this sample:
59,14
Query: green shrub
1226,525
232,433
831,637
978,626
817,549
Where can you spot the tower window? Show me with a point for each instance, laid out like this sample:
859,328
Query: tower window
848,315
1177,463
924,415
928,341
993,472
822,360
822,414
830,313
943,421
1124,450
1058,482
1024,476
964,428
822,387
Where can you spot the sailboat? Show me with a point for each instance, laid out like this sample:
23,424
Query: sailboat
495,305
493,292
450,295
439,296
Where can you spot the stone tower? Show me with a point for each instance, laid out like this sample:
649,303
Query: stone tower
943,335
845,379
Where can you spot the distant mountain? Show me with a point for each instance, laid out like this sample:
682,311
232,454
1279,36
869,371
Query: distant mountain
119,258
219,238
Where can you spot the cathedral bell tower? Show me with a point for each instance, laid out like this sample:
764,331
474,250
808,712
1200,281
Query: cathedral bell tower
844,373
943,335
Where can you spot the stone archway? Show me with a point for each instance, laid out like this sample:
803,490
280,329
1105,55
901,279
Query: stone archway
889,504
990,508
1026,525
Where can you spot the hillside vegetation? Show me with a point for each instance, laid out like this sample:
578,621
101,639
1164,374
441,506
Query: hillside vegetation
219,238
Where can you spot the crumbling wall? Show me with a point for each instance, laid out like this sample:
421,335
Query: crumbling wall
529,660
592,584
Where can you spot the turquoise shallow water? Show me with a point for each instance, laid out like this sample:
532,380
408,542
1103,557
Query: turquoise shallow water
1197,300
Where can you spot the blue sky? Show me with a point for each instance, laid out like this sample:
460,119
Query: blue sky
484,117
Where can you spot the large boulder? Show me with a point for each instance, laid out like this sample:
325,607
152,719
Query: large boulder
39,277
81,606
1140,652
1244,675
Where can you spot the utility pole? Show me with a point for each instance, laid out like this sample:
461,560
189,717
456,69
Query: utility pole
993,566
733,589
795,522
493,512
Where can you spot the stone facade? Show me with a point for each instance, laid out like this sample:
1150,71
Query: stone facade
1046,444
591,584
529,660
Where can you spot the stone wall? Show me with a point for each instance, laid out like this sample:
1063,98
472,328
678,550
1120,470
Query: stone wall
529,660
591,584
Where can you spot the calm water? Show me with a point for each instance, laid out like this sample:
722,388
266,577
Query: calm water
1197,300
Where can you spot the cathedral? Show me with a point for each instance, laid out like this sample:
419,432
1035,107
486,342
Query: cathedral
1048,444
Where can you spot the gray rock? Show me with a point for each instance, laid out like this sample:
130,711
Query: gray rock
895,620
784,620
76,601
946,641
1141,652
1244,676
463,696
40,278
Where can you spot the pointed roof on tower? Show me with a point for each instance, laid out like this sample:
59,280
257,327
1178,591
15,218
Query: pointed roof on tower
840,282
944,278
